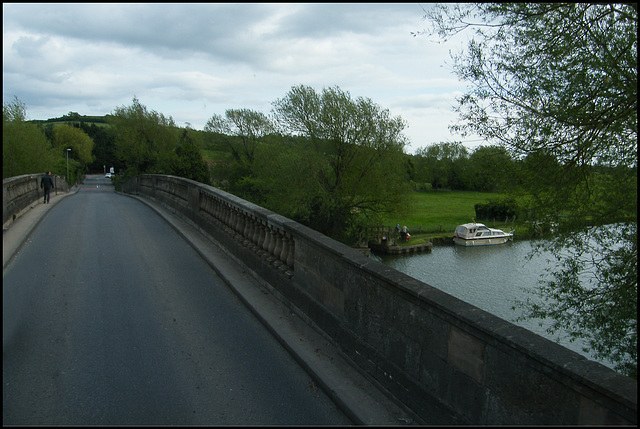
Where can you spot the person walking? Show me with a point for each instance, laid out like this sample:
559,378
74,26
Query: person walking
47,184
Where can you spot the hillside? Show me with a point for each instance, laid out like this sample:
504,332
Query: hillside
73,117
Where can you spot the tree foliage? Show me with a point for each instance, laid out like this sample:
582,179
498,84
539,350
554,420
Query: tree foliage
249,126
149,142
25,148
14,111
145,140
104,150
241,131
492,167
357,169
559,81
189,162
69,137
436,163
451,166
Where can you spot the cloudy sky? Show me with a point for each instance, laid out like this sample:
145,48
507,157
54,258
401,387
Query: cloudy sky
190,61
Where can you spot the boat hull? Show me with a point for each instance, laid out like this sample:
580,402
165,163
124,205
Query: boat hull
488,241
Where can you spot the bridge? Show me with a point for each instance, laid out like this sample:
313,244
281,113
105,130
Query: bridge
387,348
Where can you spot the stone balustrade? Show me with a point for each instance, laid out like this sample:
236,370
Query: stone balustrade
250,228
421,344
20,192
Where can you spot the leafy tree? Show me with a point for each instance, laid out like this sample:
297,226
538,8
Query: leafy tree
189,162
145,140
282,183
15,111
69,137
104,149
25,148
559,80
241,131
65,137
492,166
358,169
436,163
249,126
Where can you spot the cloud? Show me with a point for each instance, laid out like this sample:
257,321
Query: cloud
178,58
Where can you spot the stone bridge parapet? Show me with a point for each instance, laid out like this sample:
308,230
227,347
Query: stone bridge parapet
20,192
419,343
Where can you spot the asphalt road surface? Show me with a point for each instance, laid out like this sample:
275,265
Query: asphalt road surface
111,318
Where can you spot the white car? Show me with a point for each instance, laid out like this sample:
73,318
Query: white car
108,175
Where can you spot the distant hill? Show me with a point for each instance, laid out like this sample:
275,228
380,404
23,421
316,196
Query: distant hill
74,117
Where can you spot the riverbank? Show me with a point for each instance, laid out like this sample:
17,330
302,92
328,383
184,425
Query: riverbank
399,249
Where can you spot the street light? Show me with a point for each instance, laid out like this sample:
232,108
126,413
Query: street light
68,166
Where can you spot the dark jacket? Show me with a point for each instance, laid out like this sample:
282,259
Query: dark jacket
47,182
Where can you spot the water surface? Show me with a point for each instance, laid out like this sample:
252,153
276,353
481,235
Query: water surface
492,278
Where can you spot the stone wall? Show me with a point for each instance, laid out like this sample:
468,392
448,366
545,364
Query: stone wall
421,344
20,192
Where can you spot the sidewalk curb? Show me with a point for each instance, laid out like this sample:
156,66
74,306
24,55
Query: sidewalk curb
16,234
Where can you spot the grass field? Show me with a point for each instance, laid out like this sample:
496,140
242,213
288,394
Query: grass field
433,213
438,213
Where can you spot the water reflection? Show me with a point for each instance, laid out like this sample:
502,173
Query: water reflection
490,277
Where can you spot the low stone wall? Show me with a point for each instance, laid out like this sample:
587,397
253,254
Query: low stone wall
421,344
21,192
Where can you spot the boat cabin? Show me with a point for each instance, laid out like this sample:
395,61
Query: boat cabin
477,234
473,230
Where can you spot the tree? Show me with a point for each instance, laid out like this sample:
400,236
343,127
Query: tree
15,111
436,163
242,131
104,149
145,140
69,137
189,162
493,167
25,148
560,80
65,137
358,169
249,126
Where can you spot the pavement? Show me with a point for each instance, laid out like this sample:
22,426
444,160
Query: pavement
16,233
353,392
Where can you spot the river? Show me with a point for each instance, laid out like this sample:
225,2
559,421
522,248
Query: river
490,277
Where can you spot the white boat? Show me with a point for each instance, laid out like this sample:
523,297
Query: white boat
477,234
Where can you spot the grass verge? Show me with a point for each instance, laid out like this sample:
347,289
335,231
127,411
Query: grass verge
436,214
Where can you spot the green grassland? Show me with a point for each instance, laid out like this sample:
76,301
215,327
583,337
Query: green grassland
431,215
436,214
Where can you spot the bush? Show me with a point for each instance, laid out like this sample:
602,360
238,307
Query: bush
496,210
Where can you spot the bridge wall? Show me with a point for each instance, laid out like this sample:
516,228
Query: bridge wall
421,344
21,192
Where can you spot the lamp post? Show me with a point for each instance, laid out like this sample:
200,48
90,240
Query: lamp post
68,165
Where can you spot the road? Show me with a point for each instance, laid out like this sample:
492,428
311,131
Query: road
112,318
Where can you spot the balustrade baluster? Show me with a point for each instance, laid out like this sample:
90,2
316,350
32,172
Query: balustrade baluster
292,251
215,212
271,244
211,207
246,232
259,236
285,249
267,237
237,218
234,220
255,236
225,214
228,216
277,250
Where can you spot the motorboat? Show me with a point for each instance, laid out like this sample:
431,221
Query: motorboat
477,234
